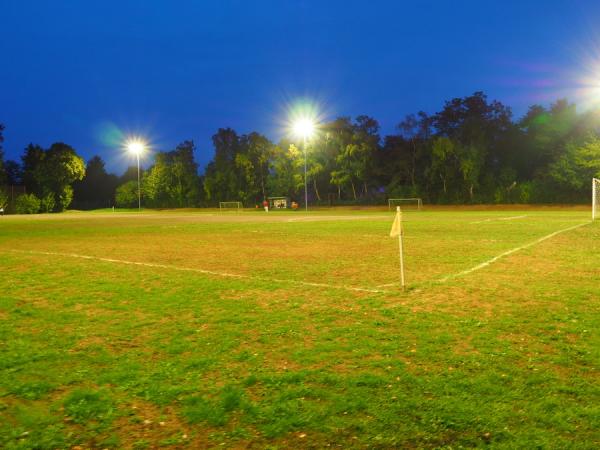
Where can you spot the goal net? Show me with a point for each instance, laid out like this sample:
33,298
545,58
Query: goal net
230,206
406,204
595,198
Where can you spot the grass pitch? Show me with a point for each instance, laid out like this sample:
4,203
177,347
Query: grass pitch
287,330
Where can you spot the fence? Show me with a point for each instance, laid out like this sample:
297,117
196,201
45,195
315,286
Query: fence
12,192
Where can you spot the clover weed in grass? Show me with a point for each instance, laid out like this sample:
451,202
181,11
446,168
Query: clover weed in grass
85,405
199,409
33,390
32,427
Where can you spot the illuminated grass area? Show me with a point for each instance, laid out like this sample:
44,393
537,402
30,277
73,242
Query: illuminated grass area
100,353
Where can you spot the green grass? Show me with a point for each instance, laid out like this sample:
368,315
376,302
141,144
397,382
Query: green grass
110,355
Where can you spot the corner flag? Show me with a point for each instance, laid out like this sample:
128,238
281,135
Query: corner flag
396,231
397,225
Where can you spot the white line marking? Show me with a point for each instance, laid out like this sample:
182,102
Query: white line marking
203,271
334,218
499,218
509,252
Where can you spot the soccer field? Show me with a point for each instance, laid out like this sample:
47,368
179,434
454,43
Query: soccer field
286,330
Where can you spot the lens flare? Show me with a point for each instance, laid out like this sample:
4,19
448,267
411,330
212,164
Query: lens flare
587,92
108,134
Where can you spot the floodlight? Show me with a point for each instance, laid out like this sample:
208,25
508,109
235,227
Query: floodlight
304,128
136,147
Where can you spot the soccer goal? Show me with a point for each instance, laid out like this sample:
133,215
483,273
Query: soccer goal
406,204
595,198
230,206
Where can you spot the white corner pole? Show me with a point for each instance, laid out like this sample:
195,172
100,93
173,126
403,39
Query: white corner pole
401,247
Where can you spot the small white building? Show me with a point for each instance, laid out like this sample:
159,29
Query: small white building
278,202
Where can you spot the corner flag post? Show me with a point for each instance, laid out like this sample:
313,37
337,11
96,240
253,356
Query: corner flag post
397,231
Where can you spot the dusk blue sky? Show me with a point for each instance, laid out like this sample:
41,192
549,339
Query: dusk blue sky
88,72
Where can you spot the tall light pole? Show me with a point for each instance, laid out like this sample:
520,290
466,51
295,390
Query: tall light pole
137,147
304,128
305,183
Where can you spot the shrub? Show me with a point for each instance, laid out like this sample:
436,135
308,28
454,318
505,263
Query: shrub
64,198
27,204
47,203
525,190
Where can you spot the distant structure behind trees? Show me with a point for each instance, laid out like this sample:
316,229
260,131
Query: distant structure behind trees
471,151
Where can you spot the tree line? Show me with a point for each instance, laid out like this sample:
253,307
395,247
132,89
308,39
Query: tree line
471,151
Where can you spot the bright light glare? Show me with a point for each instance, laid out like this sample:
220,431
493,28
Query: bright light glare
136,147
304,128
593,88
584,78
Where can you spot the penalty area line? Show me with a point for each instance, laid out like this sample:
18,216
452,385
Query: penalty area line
499,218
509,252
204,271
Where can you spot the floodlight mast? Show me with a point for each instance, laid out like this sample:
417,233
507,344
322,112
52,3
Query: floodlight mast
139,187
305,182
137,147
305,128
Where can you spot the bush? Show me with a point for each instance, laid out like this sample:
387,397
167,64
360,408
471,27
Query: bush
64,198
525,190
47,203
27,204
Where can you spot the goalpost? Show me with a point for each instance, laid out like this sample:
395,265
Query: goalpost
406,204
226,206
595,198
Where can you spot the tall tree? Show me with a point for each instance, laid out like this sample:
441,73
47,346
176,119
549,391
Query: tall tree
32,159
185,189
173,179
14,173
61,167
547,131
4,177
259,152
50,173
286,177
97,188
251,167
574,169
366,139
443,163
3,174
339,135
130,174
477,127
220,180
156,182
315,166
355,160
415,131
